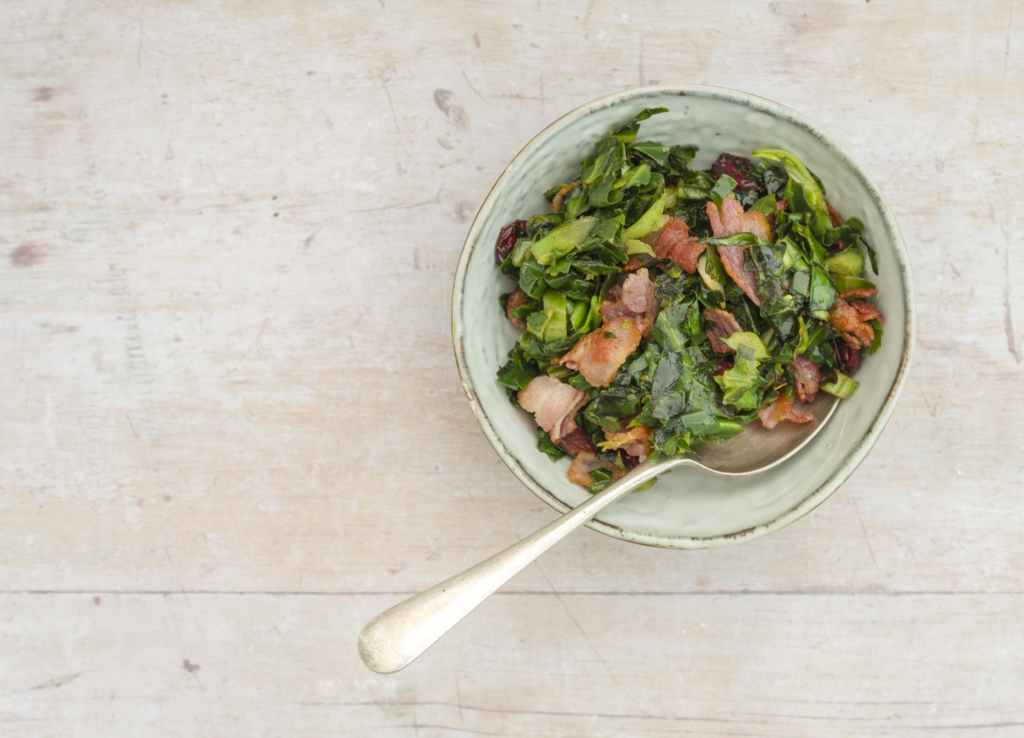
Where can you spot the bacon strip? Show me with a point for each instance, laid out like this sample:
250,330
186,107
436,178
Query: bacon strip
782,409
835,218
731,221
676,244
725,325
577,442
633,264
732,260
808,378
585,463
851,320
556,201
633,299
634,441
554,404
598,356
516,299
862,292
867,312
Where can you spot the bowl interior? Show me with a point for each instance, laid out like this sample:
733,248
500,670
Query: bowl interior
687,508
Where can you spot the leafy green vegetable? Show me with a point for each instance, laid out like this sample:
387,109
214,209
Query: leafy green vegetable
518,372
651,220
798,173
823,294
545,444
842,387
848,263
570,264
563,239
751,341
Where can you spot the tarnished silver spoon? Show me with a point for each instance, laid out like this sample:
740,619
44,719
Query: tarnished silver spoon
394,638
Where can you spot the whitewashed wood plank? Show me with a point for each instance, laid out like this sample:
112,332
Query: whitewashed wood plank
197,385
524,665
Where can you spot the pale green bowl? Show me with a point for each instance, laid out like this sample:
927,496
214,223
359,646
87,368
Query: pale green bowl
688,508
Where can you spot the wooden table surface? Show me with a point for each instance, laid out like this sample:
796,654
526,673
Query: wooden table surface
233,430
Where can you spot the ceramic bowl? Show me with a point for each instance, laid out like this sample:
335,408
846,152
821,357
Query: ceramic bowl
687,508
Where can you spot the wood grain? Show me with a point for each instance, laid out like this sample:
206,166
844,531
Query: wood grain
230,414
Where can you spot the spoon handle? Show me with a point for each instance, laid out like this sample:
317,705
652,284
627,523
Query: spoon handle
394,638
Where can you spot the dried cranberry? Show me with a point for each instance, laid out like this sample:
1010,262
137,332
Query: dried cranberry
849,357
721,368
506,242
739,169
507,239
631,462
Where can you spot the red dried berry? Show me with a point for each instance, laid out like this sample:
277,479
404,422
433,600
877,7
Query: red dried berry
631,462
739,169
849,358
507,239
506,242
721,368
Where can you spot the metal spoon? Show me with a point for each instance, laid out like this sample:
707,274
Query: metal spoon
394,638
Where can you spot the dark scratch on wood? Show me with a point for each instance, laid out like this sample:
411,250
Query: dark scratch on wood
449,727
1008,316
633,716
586,638
475,91
864,530
56,682
392,106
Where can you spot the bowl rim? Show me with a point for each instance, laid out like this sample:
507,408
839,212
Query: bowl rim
852,459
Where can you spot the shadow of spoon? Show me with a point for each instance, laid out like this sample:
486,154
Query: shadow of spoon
393,639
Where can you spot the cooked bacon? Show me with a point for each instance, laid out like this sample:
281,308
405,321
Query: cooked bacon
851,320
554,404
634,441
731,221
556,201
867,312
863,292
598,356
633,264
633,299
725,326
585,463
808,378
780,205
638,293
577,442
732,260
516,299
782,409
836,218
676,244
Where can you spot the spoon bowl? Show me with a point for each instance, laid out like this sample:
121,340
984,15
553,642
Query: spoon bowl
397,636
758,449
